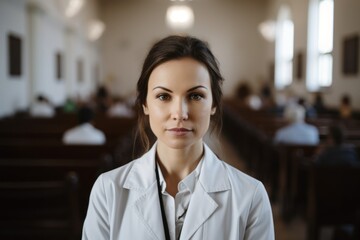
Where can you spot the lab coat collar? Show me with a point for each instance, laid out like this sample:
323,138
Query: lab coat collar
213,178
213,175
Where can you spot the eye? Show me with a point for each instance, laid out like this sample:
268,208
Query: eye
196,96
163,96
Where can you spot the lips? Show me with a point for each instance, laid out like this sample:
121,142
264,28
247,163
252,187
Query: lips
179,130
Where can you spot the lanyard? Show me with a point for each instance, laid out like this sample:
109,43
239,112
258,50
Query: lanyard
163,215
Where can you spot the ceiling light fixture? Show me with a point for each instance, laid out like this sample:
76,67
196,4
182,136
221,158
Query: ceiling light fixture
73,7
267,30
96,29
180,17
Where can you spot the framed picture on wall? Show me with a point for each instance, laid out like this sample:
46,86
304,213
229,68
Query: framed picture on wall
350,64
80,69
15,55
59,65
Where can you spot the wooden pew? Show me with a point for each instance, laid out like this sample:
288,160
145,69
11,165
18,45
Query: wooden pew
333,198
34,128
253,146
50,150
292,166
40,209
21,169
47,161
263,125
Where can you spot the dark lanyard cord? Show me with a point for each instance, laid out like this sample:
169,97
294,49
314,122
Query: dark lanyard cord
164,220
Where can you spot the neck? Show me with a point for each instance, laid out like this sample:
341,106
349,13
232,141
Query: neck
176,164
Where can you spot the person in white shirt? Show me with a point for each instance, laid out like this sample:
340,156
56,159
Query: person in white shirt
120,109
85,132
42,108
297,131
178,189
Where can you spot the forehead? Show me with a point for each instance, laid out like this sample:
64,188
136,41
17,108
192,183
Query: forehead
180,73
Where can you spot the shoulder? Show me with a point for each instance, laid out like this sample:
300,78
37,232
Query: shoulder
71,131
312,127
116,176
239,178
282,133
249,191
286,129
243,185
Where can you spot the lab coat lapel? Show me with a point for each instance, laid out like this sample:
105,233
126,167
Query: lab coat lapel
148,209
213,179
141,179
201,207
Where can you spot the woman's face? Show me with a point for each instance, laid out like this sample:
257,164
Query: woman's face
179,102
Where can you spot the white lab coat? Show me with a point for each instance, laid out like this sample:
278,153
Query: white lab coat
226,204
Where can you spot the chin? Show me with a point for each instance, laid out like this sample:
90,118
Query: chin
179,143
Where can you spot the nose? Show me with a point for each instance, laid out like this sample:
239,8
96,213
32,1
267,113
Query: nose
180,110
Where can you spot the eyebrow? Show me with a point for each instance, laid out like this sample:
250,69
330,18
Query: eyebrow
191,89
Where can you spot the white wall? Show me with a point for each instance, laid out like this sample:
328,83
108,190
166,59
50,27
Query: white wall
346,21
132,26
13,90
230,27
44,30
47,39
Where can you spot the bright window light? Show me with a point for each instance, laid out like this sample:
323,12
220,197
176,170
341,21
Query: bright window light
325,70
284,49
320,44
326,21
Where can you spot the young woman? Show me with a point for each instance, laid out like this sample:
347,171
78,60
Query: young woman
178,189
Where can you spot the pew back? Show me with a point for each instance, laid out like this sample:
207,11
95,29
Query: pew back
333,198
40,209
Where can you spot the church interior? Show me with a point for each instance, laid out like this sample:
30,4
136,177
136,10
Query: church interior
284,63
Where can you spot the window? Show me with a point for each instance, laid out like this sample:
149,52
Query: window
284,49
320,44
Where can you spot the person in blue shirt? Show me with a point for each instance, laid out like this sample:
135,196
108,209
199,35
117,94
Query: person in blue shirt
335,151
297,131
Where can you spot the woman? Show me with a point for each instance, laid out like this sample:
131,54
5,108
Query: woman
179,189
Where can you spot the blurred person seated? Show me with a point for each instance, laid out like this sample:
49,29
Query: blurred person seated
120,109
266,96
246,98
345,110
254,102
42,108
310,111
319,104
335,152
69,106
242,92
85,132
102,99
297,131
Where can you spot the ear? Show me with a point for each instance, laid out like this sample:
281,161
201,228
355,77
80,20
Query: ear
146,110
213,110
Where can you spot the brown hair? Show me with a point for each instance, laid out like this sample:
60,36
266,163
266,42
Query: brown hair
176,47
